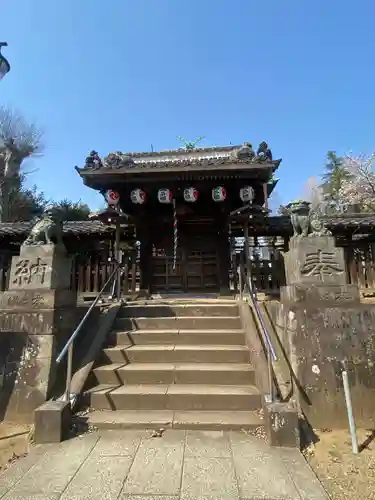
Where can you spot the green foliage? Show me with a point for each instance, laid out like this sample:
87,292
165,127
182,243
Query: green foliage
71,210
334,177
26,203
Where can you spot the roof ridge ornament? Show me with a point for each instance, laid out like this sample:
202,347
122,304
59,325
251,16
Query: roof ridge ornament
246,152
189,145
264,154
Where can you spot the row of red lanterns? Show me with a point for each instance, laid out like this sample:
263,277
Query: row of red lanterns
191,194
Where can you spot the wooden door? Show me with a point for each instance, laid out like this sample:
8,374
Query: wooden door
201,265
196,266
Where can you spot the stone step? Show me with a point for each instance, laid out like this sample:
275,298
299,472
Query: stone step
182,373
178,354
178,323
97,395
168,337
174,310
189,420
177,397
108,374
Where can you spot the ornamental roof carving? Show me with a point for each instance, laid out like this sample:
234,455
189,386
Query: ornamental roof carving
240,154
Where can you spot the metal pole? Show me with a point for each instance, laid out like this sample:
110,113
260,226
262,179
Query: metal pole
270,377
349,408
69,371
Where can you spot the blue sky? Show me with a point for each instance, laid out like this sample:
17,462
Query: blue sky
125,74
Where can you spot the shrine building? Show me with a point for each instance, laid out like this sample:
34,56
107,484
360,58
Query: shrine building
185,206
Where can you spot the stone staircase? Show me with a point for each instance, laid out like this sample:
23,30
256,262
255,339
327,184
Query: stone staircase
176,364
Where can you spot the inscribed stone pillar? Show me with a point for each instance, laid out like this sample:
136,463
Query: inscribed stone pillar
37,315
321,324
315,271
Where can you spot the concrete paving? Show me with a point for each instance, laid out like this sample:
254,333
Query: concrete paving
180,465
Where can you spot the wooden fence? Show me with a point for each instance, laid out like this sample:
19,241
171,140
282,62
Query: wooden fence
360,263
91,270
269,273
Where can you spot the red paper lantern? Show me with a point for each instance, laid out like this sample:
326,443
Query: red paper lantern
165,195
138,196
112,197
191,194
219,193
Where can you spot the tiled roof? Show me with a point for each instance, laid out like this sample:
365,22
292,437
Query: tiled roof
281,224
335,223
76,228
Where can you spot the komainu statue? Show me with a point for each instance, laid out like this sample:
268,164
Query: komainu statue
46,231
318,227
300,217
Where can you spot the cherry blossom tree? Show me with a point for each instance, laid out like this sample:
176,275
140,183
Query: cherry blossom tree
359,189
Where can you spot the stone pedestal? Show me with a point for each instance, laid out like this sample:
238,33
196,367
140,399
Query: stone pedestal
321,323
37,316
315,273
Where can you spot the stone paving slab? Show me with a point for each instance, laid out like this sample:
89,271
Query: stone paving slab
180,465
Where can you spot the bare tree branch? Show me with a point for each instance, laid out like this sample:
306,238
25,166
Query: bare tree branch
27,137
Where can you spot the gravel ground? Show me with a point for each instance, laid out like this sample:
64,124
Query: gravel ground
345,476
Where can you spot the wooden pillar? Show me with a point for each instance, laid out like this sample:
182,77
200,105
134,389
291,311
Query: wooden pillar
246,248
145,259
223,254
265,195
118,258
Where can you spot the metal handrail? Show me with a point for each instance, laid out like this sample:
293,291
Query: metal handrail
68,348
254,300
271,354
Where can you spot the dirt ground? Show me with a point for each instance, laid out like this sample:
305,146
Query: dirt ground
344,475
14,443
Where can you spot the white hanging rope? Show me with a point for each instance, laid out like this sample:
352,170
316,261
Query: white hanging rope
175,235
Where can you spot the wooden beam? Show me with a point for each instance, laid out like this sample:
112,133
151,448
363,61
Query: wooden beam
265,194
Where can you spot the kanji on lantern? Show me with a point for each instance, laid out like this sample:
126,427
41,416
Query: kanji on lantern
219,193
165,195
112,197
191,194
138,196
247,194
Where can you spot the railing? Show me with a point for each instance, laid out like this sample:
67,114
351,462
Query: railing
68,348
245,283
